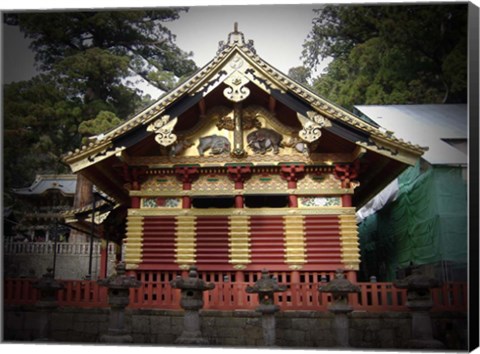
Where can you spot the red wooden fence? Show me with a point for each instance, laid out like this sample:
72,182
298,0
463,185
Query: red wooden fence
156,292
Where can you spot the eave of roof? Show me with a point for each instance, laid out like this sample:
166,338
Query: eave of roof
208,72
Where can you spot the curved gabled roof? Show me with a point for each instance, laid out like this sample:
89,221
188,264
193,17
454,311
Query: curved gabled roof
66,184
263,75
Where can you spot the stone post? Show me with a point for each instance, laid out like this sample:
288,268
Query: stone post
118,286
265,287
419,301
192,289
340,288
48,287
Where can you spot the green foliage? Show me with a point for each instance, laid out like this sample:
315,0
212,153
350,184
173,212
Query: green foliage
390,54
300,74
88,60
39,124
103,122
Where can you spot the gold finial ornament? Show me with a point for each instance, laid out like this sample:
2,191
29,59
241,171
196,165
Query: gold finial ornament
235,38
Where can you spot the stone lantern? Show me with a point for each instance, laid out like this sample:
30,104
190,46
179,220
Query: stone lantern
119,286
419,301
192,288
340,288
266,287
48,288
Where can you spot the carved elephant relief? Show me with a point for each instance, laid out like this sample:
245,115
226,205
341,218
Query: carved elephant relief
263,140
215,143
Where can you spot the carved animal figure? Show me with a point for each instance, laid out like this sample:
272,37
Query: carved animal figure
217,145
179,147
264,139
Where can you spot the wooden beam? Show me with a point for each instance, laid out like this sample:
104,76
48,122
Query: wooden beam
272,103
202,106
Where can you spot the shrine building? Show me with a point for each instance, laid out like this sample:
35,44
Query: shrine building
240,168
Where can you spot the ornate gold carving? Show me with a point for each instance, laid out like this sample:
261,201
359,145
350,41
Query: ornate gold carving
213,184
161,184
163,128
321,183
236,91
237,62
295,267
312,126
265,184
248,123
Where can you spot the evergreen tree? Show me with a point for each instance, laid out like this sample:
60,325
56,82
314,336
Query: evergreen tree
88,61
390,54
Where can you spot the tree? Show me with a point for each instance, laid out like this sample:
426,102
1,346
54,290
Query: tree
38,125
300,74
95,52
390,54
88,62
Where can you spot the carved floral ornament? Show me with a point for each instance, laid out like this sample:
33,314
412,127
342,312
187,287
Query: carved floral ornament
163,129
312,126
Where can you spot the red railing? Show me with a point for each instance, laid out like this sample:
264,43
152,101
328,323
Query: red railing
228,295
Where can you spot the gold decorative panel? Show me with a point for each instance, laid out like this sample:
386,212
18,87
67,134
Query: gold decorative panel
162,184
266,183
320,184
213,184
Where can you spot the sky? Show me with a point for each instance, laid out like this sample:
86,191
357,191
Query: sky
278,32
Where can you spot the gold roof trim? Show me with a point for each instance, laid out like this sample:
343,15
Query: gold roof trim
208,72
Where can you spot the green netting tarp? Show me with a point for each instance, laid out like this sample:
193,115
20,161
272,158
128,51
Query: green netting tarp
427,223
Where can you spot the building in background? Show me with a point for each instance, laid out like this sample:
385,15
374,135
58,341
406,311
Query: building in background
37,234
421,217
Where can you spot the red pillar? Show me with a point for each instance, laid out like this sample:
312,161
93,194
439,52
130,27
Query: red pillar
295,277
346,200
186,202
346,174
186,175
352,276
239,201
239,174
292,174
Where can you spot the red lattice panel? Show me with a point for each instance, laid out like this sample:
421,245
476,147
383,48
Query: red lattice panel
158,240
267,240
322,236
212,240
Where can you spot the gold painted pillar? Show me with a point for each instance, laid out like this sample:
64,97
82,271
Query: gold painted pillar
133,241
238,149
239,241
349,243
294,241
185,245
